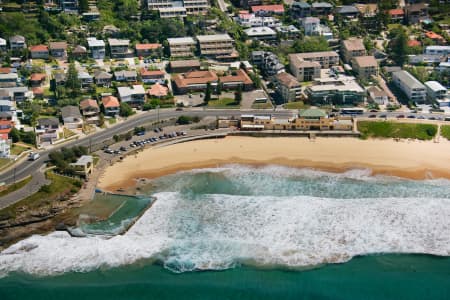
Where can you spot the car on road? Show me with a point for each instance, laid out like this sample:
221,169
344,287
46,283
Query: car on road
411,117
372,116
431,118
116,152
123,148
400,116
382,116
140,133
109,151
421,117
33,156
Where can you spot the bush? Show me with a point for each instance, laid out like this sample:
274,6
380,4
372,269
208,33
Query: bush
183,120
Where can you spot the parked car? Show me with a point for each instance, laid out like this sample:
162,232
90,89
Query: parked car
123,148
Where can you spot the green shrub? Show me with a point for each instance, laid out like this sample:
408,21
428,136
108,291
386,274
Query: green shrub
397,130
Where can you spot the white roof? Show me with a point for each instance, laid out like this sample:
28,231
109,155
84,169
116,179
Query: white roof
434,47
435,86
8,76
259,31
83,160
5,103
181,41
2,42
342,83
127,91
93,42
214,37
116,42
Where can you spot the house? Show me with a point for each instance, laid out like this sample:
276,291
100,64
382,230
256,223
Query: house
437,50
268,62
182,46
84,166
134,96
196,7
304,70
172,12
288,32
60,78
17,93
5,146
183,66
397,15
118,48
301,9
102,78
351,48
414,43
39,52
47,130
413,88
38,92
153,76
96,47
321,8
365,66
311,25
6,70
3,47
416,12
437,38
247,20
326,59
377,95
69,6
58,49
436,92
237,79
71,116
128,76
86,79
194,81
265,10
91,16
90,111
215,45
111,105
261,33
369,10
8,80
337,90
288,87
37,79
145,50
5,105
157,90
17,42
348,11
424,59
79,51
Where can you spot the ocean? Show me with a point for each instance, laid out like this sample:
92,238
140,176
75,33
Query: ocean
241,232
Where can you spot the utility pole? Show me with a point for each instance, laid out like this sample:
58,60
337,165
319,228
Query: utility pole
157,107
14,176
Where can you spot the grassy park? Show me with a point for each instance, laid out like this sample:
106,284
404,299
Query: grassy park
396,130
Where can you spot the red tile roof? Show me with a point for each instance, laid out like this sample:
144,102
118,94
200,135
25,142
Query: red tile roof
88,103
276,8
5,70
414,43
240,76
158,90
37,77
110,101
6,126
148,46
38,91
38,48
434,36
145,72
395,12
195,77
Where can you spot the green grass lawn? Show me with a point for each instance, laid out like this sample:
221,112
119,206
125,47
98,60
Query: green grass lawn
68,133
266,105
14,187
397,130
445,131
59,188
223,102
295,105
17,149
112,121
4,162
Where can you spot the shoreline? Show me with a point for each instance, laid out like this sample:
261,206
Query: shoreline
407,159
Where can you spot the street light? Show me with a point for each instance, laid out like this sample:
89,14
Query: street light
157,107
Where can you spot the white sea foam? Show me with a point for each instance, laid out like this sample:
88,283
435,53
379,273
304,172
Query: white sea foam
220,231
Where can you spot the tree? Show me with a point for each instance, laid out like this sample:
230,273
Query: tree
238,96
218,88
73,84
14,135
125,110
83,5
208,92
399,46
311,44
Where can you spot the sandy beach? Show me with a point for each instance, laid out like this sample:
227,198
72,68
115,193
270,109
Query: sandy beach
410,159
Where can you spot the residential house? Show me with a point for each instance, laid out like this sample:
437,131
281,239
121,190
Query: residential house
91,16
237,79
437,93
348,11
182,47
397,15
301,9
79,51
128,76
365,66
86,79
153,76
84,166
416,12
60,78
39,52
58,49
351,48
5,105
437,38
288,32
90,111
326,59
69,6
377,95
47,130
266,10
172,12
413,88
311,25
158,90
71,116
118,48
17,93
194,81
304,70
196,7
288,87
111,106
437,50
321,8
261,33
216,45
96,47
38,92
8,80
3,47
246,19
268,62
134,96
338,90
17,42
102,78
183,66
37,79
145,50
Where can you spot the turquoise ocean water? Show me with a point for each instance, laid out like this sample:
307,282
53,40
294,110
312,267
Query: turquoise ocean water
240,232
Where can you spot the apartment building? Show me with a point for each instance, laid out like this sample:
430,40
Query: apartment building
326,59
304,70
58,49
2,45
351,48
157,4
436,92
288,87
96,47
301,9
365,66
311,25
261,33
118,48
17,42
413,88
182,47
39,51
196,7
172,12
338,90
215,45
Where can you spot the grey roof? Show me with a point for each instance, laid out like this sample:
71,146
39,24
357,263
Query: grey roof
408,79
102,75
435,86
125,73
321,5
347,9
48,122
70,111
301,4
60,77
17,38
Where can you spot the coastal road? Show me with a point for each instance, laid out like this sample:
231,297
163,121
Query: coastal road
25,168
